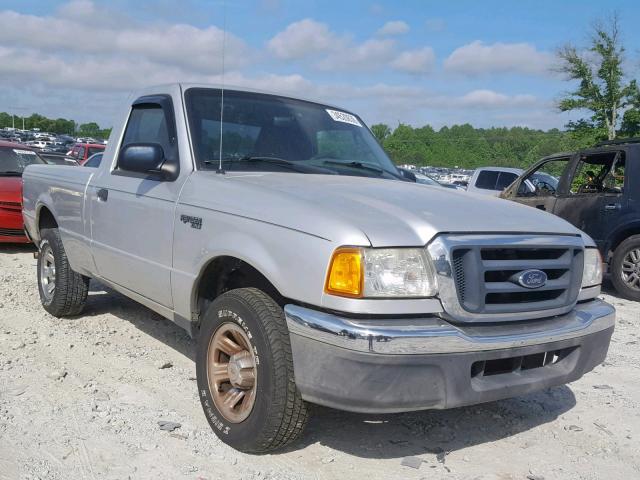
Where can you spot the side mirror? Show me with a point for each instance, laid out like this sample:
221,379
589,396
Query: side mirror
146,158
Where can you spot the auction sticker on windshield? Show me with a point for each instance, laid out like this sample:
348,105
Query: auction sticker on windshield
23,152
343,117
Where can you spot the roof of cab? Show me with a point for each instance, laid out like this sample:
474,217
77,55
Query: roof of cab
236,88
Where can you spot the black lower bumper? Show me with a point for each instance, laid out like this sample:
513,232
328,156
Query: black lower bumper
360,381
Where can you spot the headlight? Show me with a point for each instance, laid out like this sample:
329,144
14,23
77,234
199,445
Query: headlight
381,272
592,273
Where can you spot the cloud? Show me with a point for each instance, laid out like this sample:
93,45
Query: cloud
415,61
394,27
303,38
491,99
323,49
370,55
179,44
477,58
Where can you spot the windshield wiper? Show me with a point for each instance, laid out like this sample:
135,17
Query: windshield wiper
12,173
297,166
362,166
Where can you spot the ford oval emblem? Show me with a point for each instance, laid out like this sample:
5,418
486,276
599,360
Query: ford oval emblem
532,278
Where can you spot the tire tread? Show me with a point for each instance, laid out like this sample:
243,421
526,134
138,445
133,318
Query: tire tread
72,288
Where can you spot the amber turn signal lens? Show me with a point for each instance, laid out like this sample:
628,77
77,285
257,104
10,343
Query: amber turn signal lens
346,275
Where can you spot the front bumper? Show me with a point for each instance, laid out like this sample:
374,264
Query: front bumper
396,365
8,235
11,226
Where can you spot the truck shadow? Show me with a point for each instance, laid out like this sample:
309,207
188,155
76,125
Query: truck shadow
609,289
103,300
433,431
370,436
17,248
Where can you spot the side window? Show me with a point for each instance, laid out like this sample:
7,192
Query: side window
80,153
505,179
487,180
147,124
599,173
545,180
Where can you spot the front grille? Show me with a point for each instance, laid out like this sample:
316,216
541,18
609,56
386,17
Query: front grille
486,277
11,232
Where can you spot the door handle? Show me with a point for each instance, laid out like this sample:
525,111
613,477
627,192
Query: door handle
541,207
103,194
613,206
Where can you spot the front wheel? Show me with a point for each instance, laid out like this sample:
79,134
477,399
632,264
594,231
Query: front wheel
625,268
245,373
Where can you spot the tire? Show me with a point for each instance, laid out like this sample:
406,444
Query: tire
274,413
68,294
621,261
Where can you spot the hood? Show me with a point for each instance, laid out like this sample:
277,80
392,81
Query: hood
11,189
386,212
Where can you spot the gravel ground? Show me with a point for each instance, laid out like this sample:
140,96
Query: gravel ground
81,399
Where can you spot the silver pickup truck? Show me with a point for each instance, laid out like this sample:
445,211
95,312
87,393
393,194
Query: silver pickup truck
308,269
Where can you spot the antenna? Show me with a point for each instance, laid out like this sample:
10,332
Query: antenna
224,41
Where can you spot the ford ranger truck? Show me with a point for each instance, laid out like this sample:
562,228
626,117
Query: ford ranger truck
279,234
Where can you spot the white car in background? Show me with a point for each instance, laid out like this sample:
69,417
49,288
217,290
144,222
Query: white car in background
40,144
492,180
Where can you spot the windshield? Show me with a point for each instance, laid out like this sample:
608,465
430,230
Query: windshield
13,161
271,133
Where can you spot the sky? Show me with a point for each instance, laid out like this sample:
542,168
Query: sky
488,63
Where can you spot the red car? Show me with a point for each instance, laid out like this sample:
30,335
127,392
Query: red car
13,160
82,151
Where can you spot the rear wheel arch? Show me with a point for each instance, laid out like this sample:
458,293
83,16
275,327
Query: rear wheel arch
619,236
45,219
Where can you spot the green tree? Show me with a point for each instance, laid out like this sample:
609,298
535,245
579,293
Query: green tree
630,126
381,131
91,129
603,89
5,119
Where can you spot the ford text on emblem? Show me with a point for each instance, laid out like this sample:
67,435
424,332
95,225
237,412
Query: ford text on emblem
532,278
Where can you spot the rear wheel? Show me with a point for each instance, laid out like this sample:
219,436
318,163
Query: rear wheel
625,268
63,292
245,373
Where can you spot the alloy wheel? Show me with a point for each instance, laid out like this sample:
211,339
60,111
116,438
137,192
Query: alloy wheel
232,373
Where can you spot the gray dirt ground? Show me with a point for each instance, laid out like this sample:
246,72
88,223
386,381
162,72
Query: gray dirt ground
81,399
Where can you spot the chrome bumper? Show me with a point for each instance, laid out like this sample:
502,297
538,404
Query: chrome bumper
434,335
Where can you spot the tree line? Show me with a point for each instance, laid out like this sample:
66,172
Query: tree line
467,147
58,125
